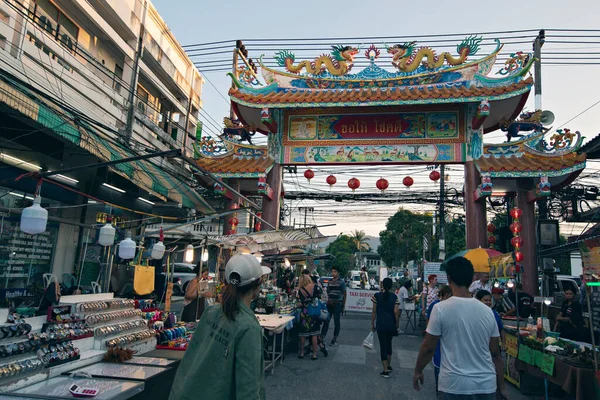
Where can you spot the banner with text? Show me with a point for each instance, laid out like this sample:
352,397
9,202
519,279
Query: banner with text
590,257
359,300
433,268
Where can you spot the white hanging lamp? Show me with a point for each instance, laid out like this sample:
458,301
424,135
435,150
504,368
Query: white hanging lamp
34,218
205,255
127,249
189,253
107,234
158,250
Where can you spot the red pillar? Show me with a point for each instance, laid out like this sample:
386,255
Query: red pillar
529,276
476,222
270,208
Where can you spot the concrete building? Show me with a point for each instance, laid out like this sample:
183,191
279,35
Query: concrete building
82,82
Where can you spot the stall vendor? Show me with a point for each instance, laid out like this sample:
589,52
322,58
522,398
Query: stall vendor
502,304
570,320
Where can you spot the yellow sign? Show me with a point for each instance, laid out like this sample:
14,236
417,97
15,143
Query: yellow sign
512,345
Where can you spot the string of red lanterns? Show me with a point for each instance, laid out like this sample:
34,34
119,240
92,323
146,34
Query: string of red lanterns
491,228
382,184
516,228
233,220
353,184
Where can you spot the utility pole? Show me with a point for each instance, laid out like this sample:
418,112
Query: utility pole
134,76
442,211
537,68
306,210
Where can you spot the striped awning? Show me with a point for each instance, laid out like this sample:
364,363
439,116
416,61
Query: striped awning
268,240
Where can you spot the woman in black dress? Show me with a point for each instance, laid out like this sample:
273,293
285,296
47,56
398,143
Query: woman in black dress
570,317
385,319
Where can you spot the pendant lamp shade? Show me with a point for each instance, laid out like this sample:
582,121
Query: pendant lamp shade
107,235
127,249
189,253
158,251
205,255
34,218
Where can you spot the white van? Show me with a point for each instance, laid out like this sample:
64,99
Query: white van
355,281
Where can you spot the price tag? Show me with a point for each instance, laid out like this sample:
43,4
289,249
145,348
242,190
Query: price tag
548,364
512,345
539,358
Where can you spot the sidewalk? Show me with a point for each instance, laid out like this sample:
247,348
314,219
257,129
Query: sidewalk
352,371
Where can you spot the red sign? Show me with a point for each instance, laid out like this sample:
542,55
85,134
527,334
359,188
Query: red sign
371,126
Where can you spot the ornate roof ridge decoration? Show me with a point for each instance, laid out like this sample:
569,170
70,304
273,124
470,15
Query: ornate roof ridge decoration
538,154
557,144
422,76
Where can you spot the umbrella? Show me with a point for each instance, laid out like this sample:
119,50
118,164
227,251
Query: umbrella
480,258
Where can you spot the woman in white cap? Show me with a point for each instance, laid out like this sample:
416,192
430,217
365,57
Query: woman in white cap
224,360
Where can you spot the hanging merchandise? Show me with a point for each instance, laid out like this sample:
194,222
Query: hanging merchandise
353,184
158,250
34,218
434,175
107,233
408,181
127,249
309,174
382,184
331,180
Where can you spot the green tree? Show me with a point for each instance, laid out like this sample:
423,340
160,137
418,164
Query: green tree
455,234
402,240
360,240
342,248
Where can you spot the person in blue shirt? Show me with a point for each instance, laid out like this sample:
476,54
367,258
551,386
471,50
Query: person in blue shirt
486,298
444,294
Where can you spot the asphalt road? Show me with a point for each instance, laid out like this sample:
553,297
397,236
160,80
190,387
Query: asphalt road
352,371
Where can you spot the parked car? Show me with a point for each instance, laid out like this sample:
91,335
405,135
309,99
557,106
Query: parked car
558,285
355,281
325,281
182,274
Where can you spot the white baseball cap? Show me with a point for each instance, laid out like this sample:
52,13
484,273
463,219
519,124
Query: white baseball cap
247,267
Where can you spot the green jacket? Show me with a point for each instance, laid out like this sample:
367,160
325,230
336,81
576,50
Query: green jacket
224,360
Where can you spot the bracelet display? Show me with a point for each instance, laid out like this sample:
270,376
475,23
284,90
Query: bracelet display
127,339
112,329
95,319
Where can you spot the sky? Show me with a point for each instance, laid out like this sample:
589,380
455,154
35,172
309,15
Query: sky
567,90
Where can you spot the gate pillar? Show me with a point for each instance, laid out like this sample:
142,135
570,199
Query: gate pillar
529,273
271,209
476,222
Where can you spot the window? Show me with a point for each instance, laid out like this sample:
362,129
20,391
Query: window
49,18
2,42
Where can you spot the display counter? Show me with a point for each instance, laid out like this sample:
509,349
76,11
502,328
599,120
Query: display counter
58,388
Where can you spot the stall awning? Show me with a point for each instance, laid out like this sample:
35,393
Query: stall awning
268,240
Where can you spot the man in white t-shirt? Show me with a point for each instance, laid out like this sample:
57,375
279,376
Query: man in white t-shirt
471,367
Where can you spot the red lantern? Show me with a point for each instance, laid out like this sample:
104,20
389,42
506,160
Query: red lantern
234,222
408,181
491,228
492,239
519,256
353,184
516,227
382,184
257,223
331,180
516,212
309,174
517,241
434,175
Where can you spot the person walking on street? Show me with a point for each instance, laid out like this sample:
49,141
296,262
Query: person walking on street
385,319
336,303
483,283
486,298
444,294
471,367
364,278
429,295
225,358
309,326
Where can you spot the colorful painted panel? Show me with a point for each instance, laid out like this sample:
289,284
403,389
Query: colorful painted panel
373,154
374,128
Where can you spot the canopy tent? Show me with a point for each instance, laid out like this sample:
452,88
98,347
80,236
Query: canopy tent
269,240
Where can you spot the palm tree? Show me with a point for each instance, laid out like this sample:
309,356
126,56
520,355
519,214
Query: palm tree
360,240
